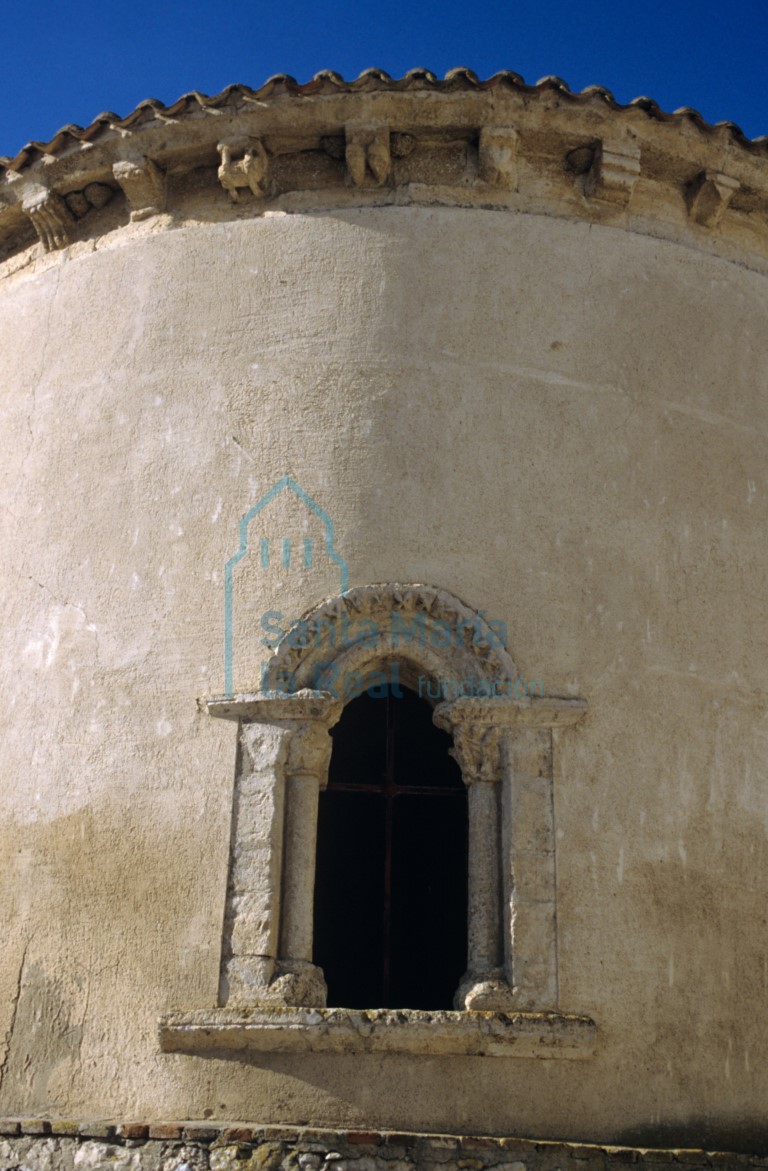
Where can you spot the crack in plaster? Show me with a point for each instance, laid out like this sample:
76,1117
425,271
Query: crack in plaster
90,627
14,1010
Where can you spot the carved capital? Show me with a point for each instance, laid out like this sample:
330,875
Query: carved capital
497,156
476,749
143,184
250,169
309,751
482,728
368,156
304,716
709,196
51,218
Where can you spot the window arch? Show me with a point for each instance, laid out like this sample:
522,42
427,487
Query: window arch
390,905
272,996
503,747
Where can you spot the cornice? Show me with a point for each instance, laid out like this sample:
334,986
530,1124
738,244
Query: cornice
326,83
458,141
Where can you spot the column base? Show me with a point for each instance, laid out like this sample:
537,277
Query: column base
256,981
486,992
298,984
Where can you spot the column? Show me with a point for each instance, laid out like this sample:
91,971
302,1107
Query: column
300,981
476,750
283,755
504,748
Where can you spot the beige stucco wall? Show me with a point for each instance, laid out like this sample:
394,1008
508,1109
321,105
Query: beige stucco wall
561,423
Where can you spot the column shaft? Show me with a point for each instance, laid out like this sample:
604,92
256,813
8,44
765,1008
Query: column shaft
484,878
299,867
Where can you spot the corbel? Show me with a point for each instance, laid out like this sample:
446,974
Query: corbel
250,170
608,171
497,156
368,154
143,184
708,197
50,217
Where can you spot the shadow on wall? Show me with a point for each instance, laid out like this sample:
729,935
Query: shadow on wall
100,967
742,1136
360,1084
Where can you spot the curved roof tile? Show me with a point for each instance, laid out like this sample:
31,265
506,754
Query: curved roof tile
327,81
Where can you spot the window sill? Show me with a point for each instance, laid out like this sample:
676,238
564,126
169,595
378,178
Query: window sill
342,1030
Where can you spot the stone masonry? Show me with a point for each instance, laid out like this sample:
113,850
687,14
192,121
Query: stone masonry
68,1146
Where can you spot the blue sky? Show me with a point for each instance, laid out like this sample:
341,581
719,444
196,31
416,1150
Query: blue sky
66,63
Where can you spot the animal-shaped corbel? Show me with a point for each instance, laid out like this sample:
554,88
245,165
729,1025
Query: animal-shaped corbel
252,170
368,156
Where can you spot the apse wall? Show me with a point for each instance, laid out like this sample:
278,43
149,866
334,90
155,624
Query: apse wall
561,422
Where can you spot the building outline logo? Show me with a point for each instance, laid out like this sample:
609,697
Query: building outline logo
287,483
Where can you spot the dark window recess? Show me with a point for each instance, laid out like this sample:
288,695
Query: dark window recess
391,882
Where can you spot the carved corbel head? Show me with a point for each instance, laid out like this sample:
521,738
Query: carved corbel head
368,155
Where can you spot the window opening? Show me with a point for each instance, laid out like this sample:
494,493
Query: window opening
391,879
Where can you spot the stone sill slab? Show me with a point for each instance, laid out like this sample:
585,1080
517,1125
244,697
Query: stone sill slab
342,1030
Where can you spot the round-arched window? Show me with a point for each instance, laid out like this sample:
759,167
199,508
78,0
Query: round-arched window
391,880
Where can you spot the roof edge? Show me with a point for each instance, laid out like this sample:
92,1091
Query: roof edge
370,80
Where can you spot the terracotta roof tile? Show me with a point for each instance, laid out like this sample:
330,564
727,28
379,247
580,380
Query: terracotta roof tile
328,82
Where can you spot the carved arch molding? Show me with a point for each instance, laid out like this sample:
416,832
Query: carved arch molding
271,996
